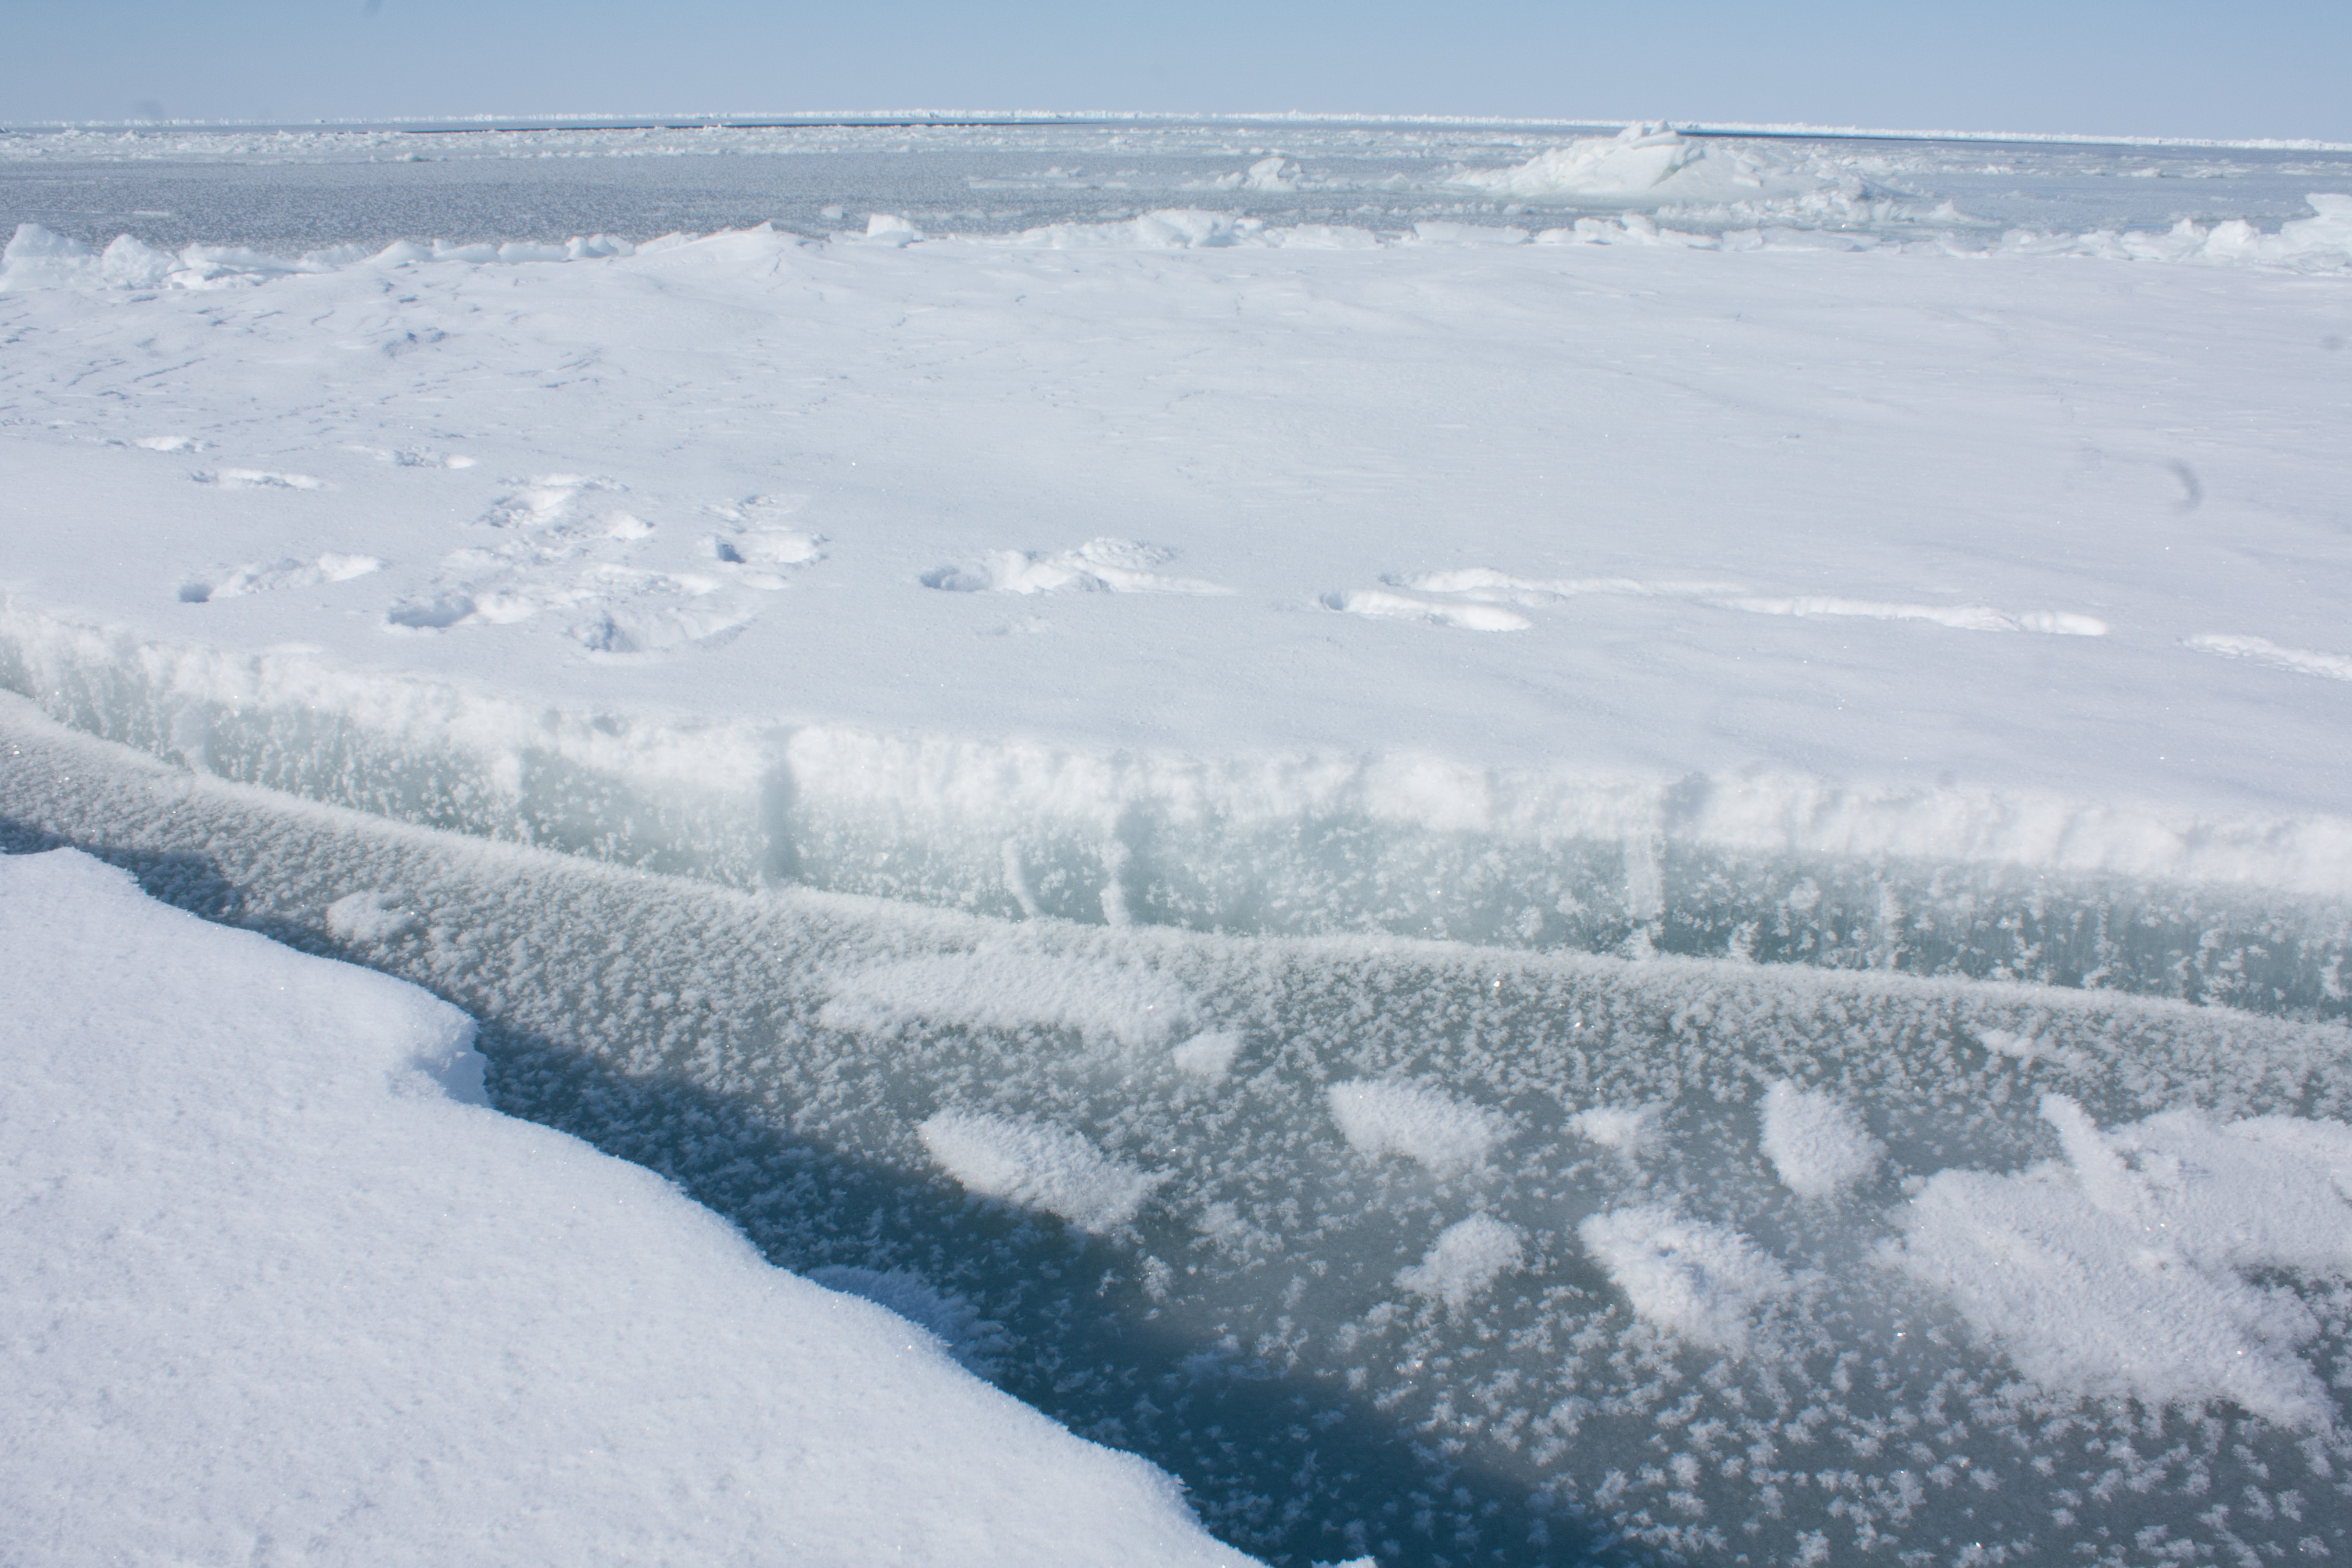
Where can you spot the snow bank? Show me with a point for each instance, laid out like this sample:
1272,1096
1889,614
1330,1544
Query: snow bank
2123,1269
269,1253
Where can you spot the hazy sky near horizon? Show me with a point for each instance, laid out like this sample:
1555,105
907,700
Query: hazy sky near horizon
2155,67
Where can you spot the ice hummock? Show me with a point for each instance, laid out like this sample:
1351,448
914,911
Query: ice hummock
1507,1240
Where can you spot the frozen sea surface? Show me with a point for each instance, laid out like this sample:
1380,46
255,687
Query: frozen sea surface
1431,1252
1509,841
304,188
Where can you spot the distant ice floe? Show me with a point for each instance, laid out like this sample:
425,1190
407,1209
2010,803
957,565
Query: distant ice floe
1097,566
2127,1267
1714,198
1034,1166
38,259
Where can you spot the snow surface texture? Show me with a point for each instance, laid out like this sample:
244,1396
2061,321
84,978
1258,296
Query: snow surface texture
1617,1331
1817,1146
268,1253
1465,644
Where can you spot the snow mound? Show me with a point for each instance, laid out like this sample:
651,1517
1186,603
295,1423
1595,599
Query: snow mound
1444,1135
1468,1257
268,1254
1035,1167
1704,1283
1817,1145
2122,1269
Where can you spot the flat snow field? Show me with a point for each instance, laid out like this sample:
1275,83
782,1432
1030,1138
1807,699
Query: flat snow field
2034,560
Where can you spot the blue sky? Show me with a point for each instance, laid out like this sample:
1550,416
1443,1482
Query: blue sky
2260,67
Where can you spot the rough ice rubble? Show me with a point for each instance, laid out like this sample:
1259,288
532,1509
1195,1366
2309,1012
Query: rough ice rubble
1247,1327
268,1253
37,258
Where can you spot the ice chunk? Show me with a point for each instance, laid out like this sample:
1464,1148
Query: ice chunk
2119,1270
1704,1283
1445,1135
1635,161
1469,1257
1816,1143
1037,1167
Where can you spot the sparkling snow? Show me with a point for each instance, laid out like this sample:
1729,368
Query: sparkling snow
280,1287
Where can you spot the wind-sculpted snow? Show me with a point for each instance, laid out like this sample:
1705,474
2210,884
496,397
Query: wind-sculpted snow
1438,1252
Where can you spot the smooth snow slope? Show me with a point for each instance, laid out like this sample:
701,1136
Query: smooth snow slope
280,1288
